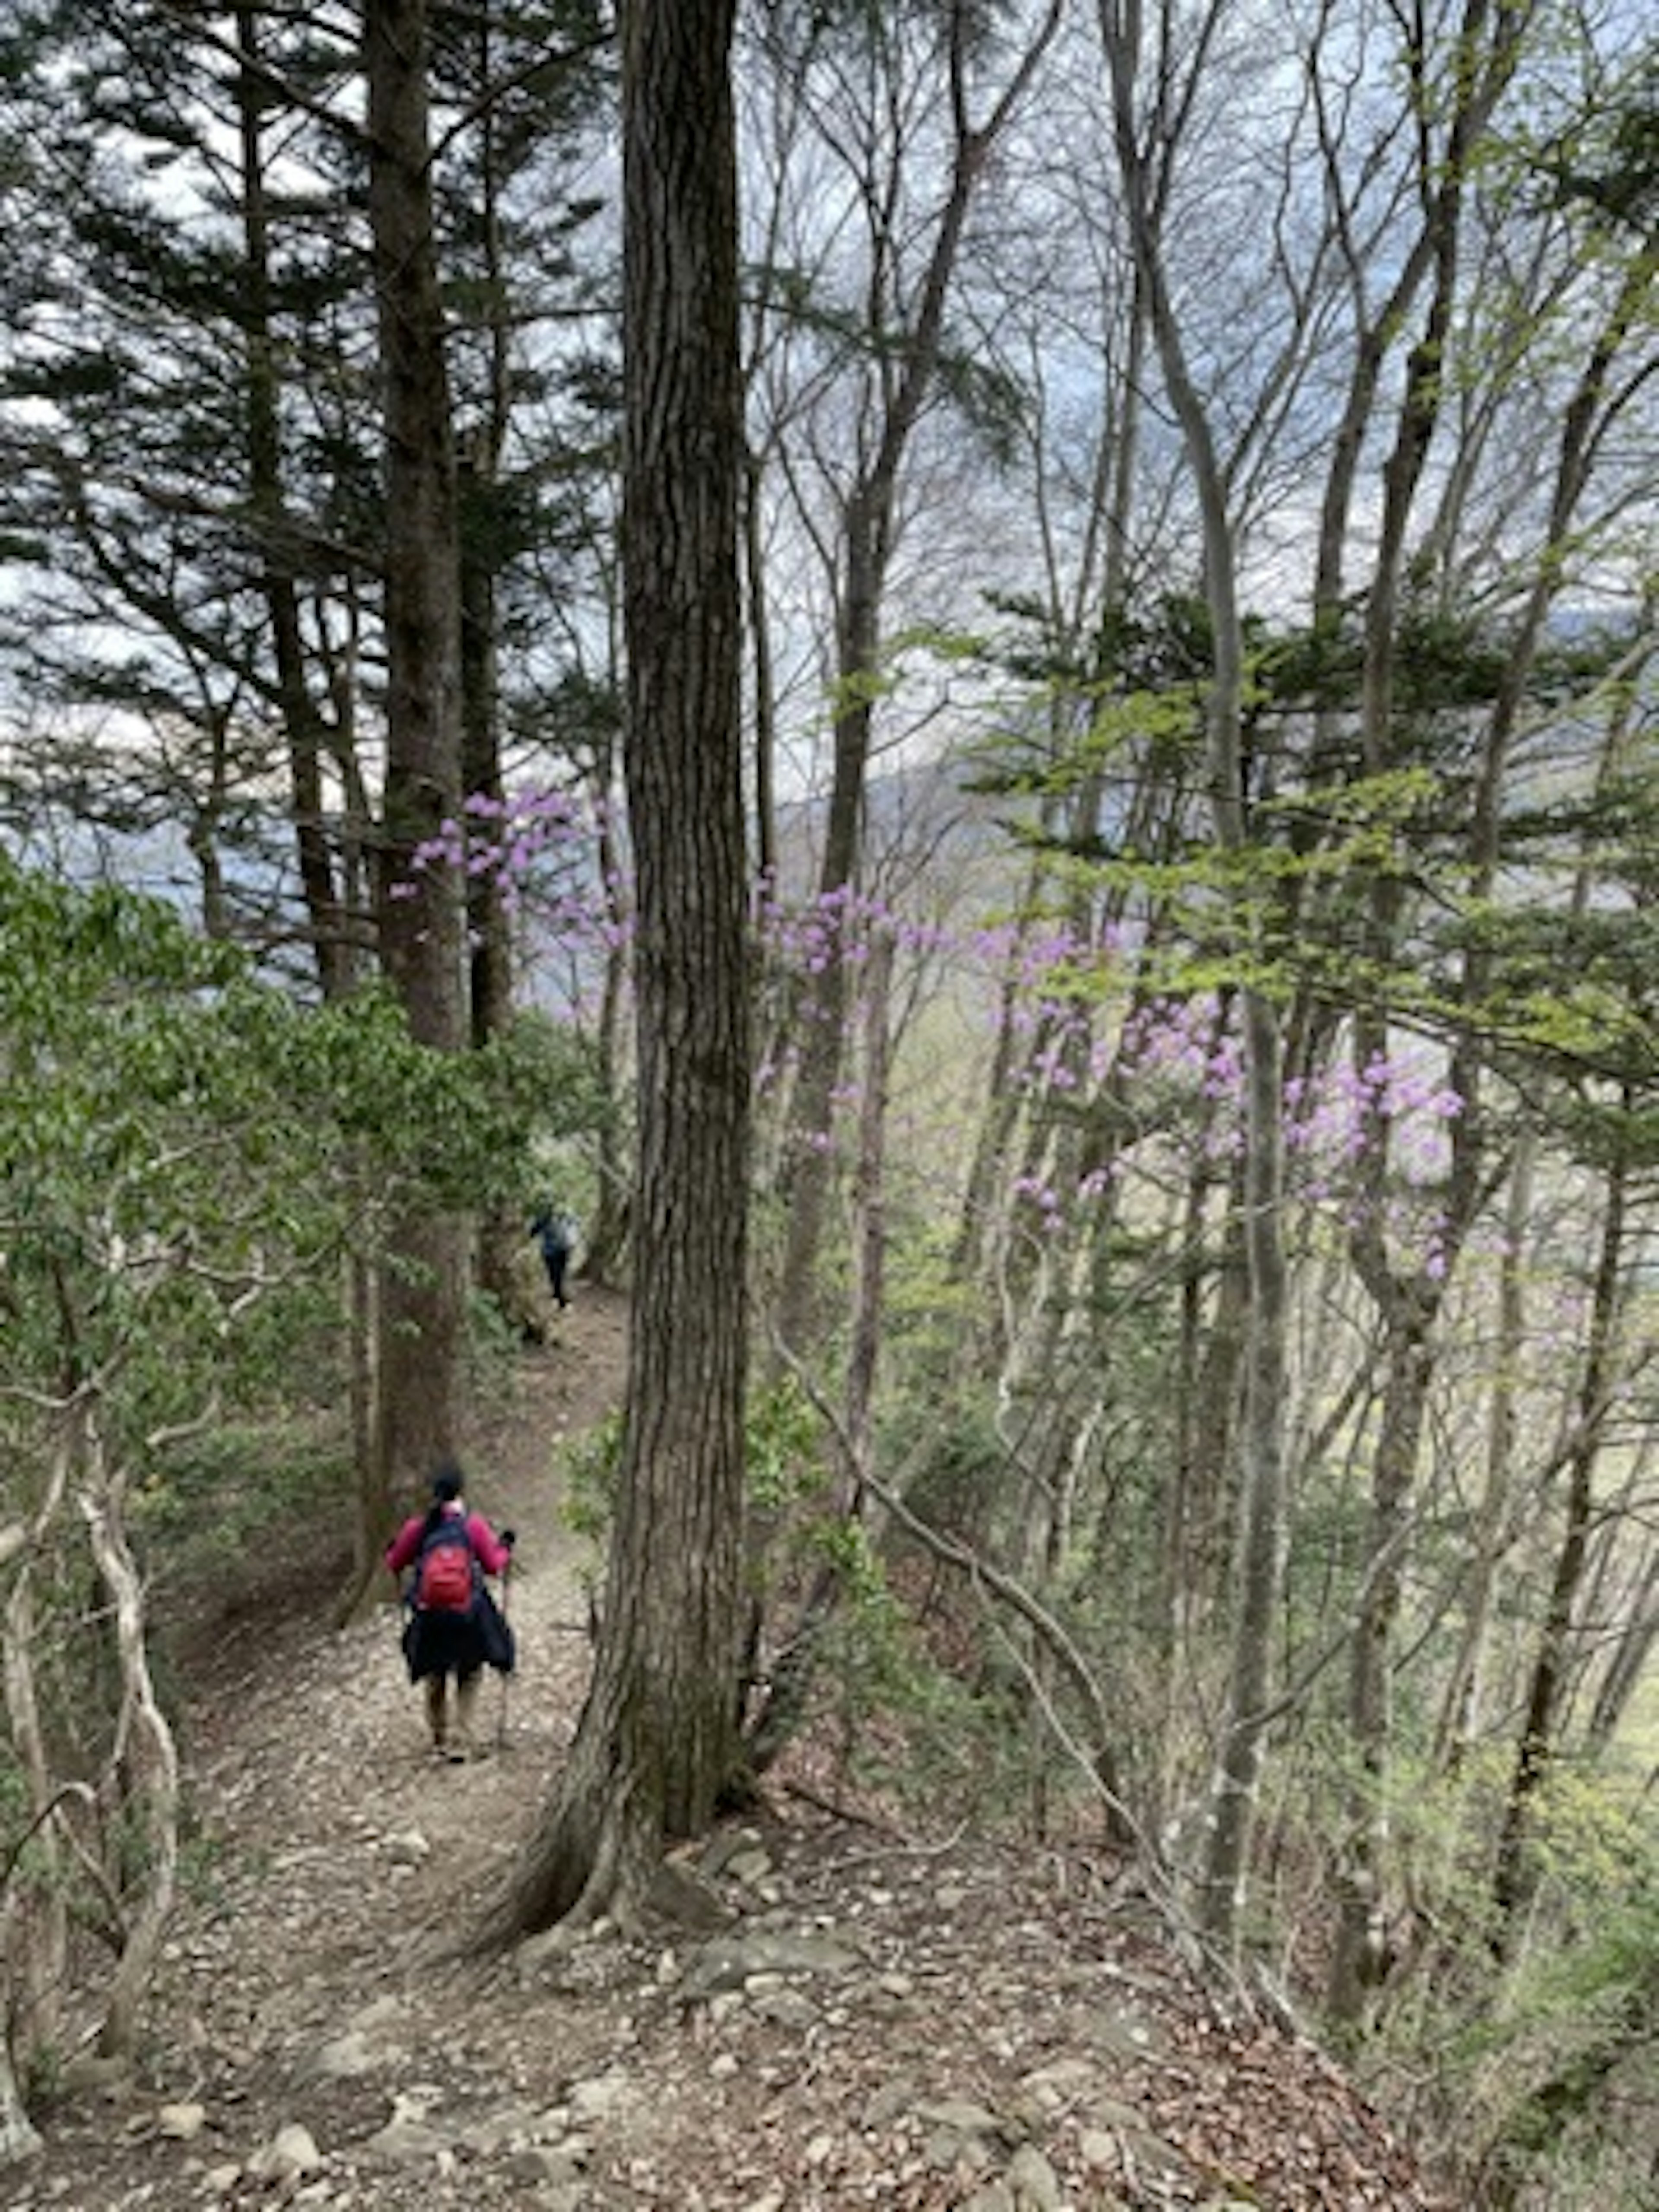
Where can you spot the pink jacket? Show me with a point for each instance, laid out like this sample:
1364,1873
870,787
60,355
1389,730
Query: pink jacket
488,1548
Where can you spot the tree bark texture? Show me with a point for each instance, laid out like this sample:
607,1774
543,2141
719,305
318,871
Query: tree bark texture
417,911
657,1740
146,1759
34,1909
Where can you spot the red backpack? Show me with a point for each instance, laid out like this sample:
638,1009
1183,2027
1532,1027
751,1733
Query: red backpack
446,1571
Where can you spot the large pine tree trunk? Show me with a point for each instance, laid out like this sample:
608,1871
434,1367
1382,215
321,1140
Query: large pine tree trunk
657,1740
418,911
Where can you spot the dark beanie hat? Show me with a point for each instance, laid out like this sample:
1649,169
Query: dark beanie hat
446,1483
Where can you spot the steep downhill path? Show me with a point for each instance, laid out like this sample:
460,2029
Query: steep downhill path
835,2015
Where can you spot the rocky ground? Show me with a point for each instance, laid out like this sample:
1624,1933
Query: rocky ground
832,2015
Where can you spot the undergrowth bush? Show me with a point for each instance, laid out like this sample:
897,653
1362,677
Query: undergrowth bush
1530,2051
224,1490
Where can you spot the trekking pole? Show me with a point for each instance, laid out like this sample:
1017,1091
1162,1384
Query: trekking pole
507,1674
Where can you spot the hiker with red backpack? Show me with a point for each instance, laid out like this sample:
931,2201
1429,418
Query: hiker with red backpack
453,1628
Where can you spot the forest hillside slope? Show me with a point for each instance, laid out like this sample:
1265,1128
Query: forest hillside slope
832,2013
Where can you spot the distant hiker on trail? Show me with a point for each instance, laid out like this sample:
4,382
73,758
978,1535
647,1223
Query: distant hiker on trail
555,1231
454,1627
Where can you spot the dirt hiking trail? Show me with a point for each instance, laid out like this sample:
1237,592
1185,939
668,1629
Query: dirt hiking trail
832,2013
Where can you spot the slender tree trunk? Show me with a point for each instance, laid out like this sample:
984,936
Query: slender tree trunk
606,1242
34,1930
1214,1341
1631,1655
977,1237
1360,1950
1461,1701
148,1761
490,963
870,1212
478,532
489,959
1546,1699
33,1914
1261,1568
765,705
